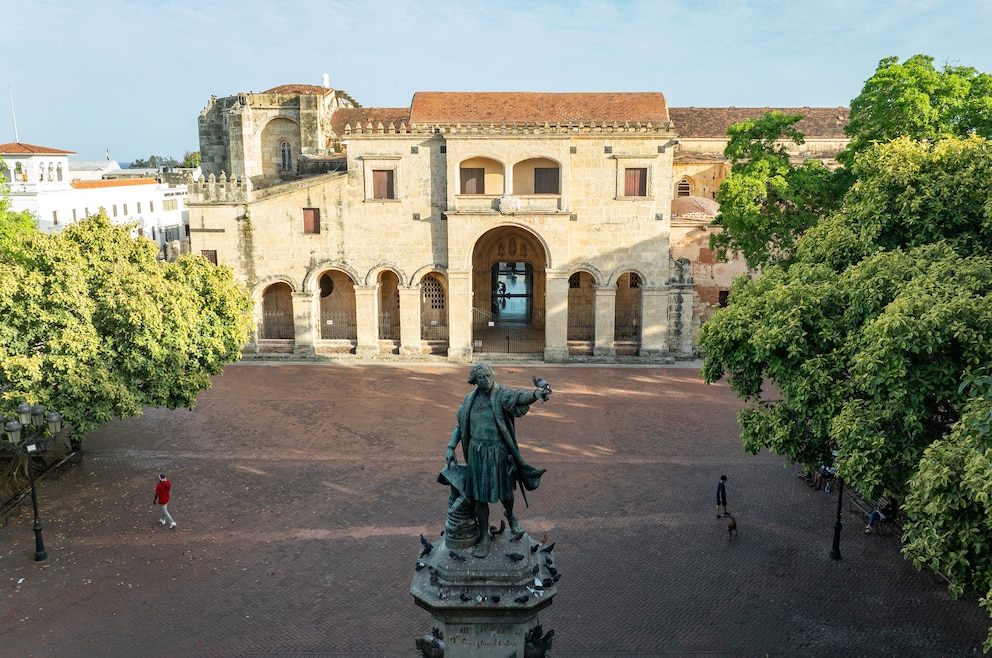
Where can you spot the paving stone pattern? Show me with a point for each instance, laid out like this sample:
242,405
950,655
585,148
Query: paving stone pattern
301,491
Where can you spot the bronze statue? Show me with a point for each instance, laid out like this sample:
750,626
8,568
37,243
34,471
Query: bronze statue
494,467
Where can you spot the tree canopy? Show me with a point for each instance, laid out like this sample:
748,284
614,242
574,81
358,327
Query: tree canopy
916,99
154,161
766,202
866,337
95,327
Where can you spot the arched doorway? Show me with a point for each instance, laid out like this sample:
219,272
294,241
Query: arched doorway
389,311
275,322
627,324
508,291
581,300
434,313
336,296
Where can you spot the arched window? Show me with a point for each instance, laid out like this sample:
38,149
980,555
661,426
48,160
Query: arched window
683,188
58,171
19,172
287,156
41,171
51,171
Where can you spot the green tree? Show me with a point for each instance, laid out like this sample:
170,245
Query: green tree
13,225
950,499
153,162
916,99
97,328
766,202
191,160
866,337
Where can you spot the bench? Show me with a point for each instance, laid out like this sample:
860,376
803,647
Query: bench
858,504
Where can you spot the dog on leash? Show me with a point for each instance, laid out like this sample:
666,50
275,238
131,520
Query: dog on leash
731,528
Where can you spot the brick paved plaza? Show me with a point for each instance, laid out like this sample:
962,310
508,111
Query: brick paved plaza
301,490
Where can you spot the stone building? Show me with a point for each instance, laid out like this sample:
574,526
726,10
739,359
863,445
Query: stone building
465,223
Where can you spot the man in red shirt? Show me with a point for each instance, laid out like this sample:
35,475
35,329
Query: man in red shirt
162,498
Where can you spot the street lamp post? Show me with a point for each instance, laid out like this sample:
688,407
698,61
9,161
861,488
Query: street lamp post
35,418
835,550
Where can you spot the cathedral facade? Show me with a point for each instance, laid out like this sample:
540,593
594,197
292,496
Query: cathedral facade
466,223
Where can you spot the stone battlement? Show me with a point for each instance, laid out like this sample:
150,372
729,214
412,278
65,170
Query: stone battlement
215,189
518,128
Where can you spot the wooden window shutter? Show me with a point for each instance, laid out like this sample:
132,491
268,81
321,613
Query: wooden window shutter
546,180
311,220
382,184
636,182
473,180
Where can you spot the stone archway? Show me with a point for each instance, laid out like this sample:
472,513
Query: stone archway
508,292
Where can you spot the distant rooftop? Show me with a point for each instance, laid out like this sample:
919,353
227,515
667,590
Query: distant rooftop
19,148
536,107
819,122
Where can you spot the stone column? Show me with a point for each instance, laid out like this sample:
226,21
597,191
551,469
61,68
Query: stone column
654,320
303,328
556,316
604,322
367,319
460,315
410,321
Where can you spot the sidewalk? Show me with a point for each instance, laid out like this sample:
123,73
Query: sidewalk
301,490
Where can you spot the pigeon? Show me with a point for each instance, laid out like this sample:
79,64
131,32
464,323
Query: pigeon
428,547
556,577
536,569
549,561
418,566
533,549
552,570
516,557
464,597
431,646
547,582
518,536
456,556
522,599
542,384
536,642
494,598
548,549
493,531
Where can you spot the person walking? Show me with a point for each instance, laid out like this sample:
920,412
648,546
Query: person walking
721,497
162,498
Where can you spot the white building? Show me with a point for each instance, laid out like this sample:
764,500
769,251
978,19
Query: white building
42,182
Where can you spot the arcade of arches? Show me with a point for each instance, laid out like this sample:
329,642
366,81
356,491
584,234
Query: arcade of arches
509,301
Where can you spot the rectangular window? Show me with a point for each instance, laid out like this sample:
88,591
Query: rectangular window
724,296
382,184
170,204
139,207
125,208
473,180
55,217
311,220
73,214
210,255
546,180
86,212
115,210
635,181
151,206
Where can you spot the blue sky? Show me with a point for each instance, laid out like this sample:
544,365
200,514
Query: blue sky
132,76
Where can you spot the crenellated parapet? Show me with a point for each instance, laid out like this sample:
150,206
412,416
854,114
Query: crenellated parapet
219,189
515,128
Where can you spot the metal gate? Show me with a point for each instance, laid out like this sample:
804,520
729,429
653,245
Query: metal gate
491,335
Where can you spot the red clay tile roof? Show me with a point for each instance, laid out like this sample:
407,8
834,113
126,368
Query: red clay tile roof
820,122
17,148
123,182
526,107
366,115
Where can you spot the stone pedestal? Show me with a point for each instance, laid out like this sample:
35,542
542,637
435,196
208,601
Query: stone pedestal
487,607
